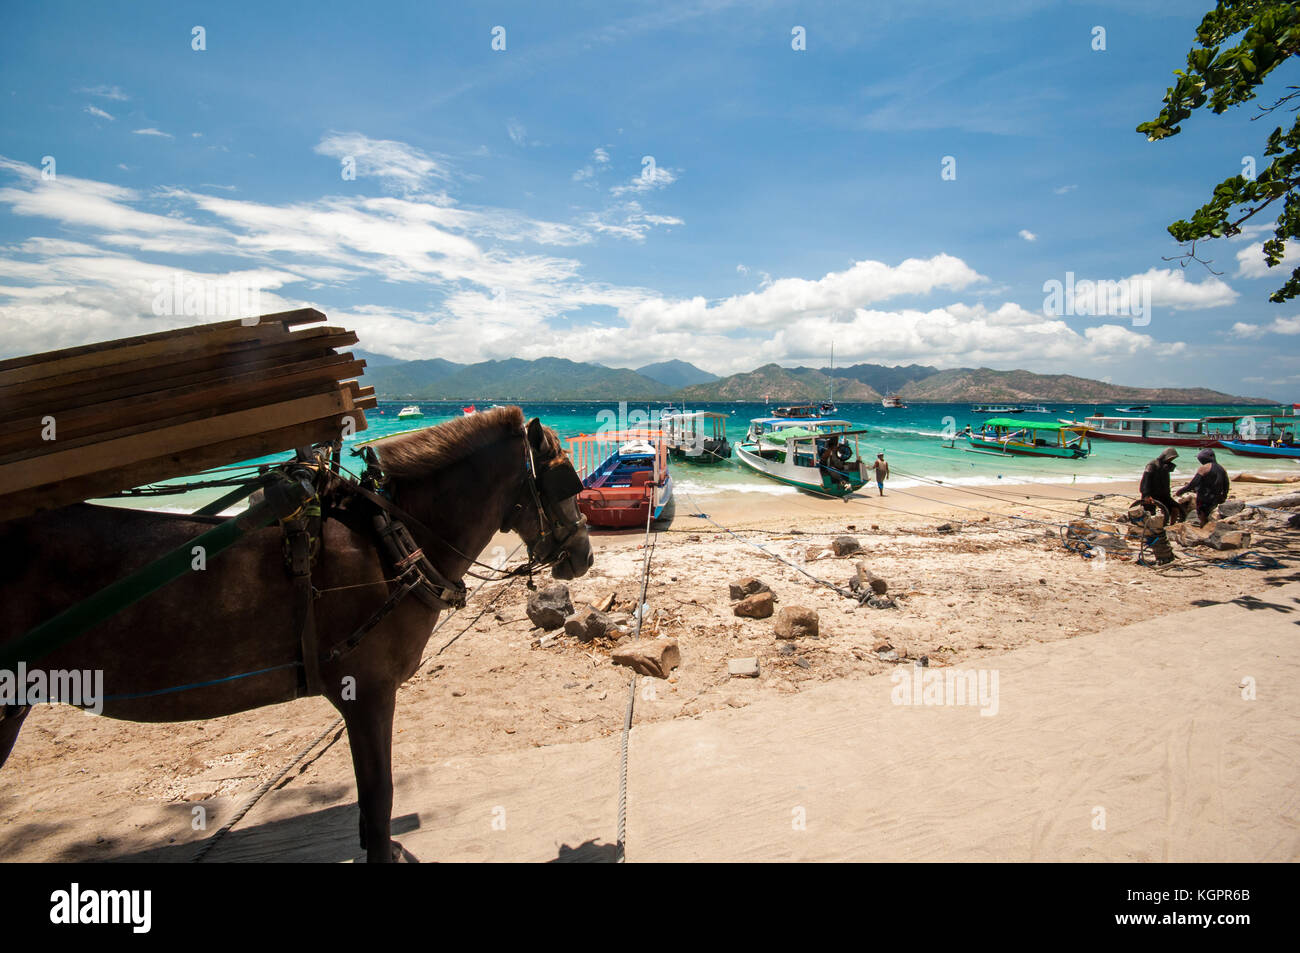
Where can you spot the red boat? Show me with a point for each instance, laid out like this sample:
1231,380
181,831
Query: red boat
624,476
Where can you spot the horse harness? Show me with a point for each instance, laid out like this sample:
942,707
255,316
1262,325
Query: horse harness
367,505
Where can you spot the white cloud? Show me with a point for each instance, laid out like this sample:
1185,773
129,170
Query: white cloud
1171,289
1027,235
741,269
627,220
1064,189
653,176
105,92
98,113
518,134
1286,326
600,155
150,131
1251,264
396,165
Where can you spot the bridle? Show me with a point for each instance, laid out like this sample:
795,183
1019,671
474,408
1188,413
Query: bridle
549,488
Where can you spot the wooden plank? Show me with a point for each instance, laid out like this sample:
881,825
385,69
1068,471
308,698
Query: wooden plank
173,440
140,377
110,419
173,466
286,319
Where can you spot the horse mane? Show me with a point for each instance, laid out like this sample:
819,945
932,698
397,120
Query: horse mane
421,453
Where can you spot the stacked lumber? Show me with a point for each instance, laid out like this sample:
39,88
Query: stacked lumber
159,406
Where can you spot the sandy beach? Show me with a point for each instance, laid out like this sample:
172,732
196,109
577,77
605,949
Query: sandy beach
995,581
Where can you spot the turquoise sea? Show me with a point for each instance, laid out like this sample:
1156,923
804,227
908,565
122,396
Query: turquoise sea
913,441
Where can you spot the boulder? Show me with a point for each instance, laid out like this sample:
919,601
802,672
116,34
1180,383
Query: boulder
549,607
865,579
588,623
796,622
743,668
1229,539
747,587
845,546
757,606
653,657
1231,507
947,527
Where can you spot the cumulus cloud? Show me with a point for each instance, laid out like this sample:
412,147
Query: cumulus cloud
1251,264
1286,326
1027,235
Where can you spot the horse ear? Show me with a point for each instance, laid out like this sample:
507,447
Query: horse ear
535,433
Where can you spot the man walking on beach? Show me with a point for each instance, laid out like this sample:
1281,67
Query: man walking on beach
882,471
1154,487
1210,481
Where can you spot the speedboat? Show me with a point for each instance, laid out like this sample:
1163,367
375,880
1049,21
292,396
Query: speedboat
409,413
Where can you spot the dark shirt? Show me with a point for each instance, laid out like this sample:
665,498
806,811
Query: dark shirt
1210,483
1155,482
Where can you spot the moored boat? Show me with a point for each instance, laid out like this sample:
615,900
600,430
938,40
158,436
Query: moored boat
893,401
471,409
409,413
624,476
1186,431
1031,438
789,451
1284,452
696,437
1135,409
996,409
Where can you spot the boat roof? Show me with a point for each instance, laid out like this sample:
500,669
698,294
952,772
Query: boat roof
676,415
798,420
1028,424
801,433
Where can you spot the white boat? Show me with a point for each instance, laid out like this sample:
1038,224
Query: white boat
409,413
788,450
893,401
698,437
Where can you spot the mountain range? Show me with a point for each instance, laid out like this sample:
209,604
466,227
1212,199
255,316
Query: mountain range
554,378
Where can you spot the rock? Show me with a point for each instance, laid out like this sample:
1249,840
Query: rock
786,649
654,657
549,607
865,579
1229,539
1231,507
888,656
757,606
845,546
881,602
803,663
748,587
587,624
743,668
947,527
796,622
1293,521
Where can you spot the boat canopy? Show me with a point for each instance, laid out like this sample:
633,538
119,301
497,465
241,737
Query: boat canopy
1029,424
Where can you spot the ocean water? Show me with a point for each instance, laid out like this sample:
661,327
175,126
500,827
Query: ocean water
912,439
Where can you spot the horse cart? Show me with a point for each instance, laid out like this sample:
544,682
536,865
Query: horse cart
194,615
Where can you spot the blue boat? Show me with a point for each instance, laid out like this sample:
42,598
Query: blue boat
1261,450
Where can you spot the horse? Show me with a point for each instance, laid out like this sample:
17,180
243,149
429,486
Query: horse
223,639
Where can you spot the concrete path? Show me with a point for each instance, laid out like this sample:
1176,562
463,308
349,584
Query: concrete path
1132,744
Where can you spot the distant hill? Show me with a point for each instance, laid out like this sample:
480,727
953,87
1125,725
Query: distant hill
885,380
379,360
676,374
984,384
547,378
779,384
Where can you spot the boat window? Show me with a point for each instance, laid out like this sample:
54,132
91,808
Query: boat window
1191,426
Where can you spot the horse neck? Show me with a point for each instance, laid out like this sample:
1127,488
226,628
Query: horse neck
463,503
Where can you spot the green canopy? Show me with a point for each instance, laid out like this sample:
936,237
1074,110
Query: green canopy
792,433
1027,424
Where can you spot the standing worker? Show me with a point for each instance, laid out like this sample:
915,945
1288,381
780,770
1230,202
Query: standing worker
882,472
1210,481
1154,487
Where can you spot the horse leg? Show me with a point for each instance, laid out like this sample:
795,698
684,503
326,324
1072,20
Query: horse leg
370,736
11,722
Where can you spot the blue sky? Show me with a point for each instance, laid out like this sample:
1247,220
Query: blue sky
627,183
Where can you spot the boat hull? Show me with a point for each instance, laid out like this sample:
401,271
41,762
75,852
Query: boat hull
1258,450
810,479
623,507
1025,450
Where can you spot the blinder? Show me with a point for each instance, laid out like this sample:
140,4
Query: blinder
559,482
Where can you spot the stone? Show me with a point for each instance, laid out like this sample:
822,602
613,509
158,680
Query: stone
796,622
1229,539
549,607
865,579
803,663
747,587
845,546
587,624
947,528
653,657
1293,521
757,606
743,668
786,649
1231,507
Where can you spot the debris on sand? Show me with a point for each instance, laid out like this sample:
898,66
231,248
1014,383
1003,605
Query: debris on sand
653,657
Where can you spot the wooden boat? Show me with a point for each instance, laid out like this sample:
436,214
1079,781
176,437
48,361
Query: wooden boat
996,409
1005,435
698,437
894,402
788,452
806,411
1256,450
1186,431
409,413
624,476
